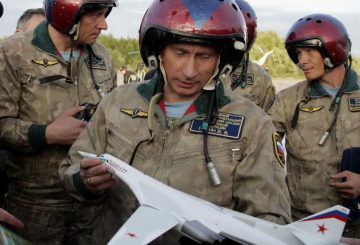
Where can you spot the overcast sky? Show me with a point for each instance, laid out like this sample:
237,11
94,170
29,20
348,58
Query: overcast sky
275,15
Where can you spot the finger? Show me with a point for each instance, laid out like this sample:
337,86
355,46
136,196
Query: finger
100,183
99,179
10,219
73,110
352,241
89,163
339,175
98,170
106,185
341,185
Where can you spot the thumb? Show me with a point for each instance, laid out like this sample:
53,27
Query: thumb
72,111
10,219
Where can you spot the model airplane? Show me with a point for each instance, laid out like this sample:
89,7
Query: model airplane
163,208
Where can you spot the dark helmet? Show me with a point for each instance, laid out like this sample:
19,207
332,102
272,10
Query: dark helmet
63,15
323,32
217,23
1,9
250,19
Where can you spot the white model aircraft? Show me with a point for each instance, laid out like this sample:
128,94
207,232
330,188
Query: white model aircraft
163,208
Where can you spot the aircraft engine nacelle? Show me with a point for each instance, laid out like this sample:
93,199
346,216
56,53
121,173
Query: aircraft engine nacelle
199,232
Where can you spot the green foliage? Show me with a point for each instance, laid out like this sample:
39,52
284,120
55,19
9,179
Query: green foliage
278,63
124,51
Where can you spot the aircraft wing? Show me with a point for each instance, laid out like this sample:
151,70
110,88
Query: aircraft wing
144,226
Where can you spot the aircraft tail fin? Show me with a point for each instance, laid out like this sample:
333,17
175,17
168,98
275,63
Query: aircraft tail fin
326,226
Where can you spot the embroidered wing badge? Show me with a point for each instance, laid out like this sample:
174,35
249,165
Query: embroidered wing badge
135,113
311,109
45,62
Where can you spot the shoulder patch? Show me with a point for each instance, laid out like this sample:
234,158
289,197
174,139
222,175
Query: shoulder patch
227,126
242,80
135,113
45,62
311,109
354,104
279,149
97,62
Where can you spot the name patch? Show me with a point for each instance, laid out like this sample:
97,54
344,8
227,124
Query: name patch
227,126
354,104
97,63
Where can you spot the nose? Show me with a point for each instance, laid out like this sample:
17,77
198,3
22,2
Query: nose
190,69
102,23
303,58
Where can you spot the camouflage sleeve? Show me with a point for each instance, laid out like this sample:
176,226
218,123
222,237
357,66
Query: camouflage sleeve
259,184
13,131
277,111
269,95
92,139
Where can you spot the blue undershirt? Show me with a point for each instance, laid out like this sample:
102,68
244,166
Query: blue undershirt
177,110
330,90
66,55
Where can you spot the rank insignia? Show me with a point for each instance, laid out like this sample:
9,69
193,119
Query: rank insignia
97,62
311,109
45,62
227,126
135,113
354,104
279,149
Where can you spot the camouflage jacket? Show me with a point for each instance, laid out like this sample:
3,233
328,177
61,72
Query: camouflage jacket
310,165
28,104
256,85
253,180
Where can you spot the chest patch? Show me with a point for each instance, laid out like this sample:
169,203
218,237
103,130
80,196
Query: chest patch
354,104
45,62
227,126
97,63
135,113
311,109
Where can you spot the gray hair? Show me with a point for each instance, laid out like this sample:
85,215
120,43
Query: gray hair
26,16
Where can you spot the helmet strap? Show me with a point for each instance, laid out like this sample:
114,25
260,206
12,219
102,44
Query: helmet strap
74,31
210,85
328,64
153,62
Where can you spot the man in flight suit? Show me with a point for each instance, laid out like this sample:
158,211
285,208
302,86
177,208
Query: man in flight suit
250,79
320,118
183,124
46,74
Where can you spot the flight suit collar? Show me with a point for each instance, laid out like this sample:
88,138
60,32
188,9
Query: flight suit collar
316,90
156,84
42,38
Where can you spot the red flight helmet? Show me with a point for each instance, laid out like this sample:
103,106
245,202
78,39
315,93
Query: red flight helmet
63,15
323,32
251,21
217,23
